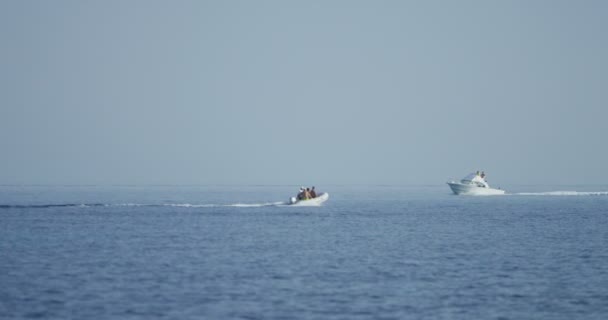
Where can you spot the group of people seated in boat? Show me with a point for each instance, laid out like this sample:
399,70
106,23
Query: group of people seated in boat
307,193
482,175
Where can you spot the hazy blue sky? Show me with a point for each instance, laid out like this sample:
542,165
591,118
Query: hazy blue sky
303,92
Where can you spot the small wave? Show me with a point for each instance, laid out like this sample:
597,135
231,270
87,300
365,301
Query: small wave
564,193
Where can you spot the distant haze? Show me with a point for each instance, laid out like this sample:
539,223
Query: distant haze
303,92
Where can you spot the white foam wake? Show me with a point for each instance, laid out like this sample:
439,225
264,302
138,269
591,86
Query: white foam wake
255,205
206,205
180,205
564,193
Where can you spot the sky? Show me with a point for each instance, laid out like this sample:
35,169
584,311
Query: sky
303,92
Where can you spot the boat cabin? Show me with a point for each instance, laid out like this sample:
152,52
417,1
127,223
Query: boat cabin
475,179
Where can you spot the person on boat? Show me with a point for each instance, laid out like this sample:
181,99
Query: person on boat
307,194
477,173
483,175
313,194
301,194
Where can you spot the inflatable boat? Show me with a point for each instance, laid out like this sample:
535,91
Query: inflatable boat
317,201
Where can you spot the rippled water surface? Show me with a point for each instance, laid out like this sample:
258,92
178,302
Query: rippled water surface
236,253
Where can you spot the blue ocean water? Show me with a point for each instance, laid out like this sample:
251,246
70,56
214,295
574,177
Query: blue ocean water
371,252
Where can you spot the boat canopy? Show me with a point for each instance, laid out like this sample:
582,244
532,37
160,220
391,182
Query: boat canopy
474,178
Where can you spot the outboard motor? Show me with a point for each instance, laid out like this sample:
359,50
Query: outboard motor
292,200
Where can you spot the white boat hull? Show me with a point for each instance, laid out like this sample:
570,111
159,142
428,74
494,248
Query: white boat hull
310,202
472,190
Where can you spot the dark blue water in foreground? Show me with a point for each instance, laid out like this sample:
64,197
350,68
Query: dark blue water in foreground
369,253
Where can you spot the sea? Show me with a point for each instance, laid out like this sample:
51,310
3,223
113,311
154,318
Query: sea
238,252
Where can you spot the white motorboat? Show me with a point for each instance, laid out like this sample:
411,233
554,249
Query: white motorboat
317,201
474,184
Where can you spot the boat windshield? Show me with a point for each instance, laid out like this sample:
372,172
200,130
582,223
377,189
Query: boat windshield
476,183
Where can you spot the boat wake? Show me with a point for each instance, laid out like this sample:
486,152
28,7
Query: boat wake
237,205
177,205
52,205
563,193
